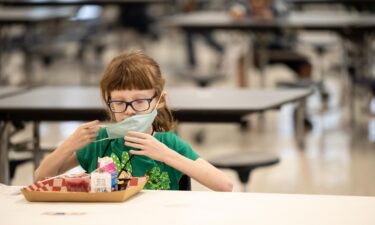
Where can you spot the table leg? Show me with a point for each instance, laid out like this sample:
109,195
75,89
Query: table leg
361,65
300,126
4,160
28,68
243,63
262,54
3,46
36,147
241,72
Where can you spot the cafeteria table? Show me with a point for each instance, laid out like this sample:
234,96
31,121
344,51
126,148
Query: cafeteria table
30,18
355,29
193,207
80,103
76,2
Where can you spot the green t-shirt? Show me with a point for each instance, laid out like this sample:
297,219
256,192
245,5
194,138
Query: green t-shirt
161,176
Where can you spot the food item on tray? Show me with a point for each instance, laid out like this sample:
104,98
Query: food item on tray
104,179
122,183
78,183
101,181
125,174
107,164
123,180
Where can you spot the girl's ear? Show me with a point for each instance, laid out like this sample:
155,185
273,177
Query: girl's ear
162,102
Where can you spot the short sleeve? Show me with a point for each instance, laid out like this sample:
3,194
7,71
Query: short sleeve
83,157
185,149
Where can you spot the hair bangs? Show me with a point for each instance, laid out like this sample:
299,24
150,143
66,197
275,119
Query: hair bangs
131,77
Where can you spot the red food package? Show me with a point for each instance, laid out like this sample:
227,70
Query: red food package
78,183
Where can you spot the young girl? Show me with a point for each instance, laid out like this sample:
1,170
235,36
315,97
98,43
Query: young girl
133,89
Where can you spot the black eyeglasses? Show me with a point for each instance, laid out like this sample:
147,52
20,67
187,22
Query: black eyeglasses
138,105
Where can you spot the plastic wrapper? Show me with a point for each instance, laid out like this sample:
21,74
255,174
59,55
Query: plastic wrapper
122,183
78,183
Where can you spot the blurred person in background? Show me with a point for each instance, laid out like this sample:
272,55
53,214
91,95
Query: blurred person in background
188,6
281,44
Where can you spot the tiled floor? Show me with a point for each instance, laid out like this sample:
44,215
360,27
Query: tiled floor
339,158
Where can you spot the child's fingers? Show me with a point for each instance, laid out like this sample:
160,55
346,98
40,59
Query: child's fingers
138,134
93,134
90,124
94,129
134,139
130,144
134,152
93,139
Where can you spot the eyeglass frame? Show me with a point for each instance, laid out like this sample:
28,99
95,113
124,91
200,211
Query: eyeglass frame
149,100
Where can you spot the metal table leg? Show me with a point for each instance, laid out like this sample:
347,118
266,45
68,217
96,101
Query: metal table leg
4,160
300,126
36,146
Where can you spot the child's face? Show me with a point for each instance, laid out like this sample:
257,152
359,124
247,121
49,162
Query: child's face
132,96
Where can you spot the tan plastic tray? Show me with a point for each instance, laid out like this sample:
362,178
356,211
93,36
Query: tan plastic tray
54,196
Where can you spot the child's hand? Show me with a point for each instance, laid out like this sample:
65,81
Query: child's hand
148,145
83,135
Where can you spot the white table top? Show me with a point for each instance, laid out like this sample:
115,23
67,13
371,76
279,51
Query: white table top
5,90
179,207
294,20
78,97
35,15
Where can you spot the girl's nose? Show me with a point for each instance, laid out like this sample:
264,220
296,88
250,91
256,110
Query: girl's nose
129,111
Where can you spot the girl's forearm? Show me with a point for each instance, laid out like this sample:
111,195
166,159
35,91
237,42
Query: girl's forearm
52,164
63,158
201,171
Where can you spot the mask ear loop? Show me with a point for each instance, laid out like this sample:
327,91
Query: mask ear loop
101,140
162,94
156,106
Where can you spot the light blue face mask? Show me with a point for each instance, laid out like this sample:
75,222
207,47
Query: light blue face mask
138,123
